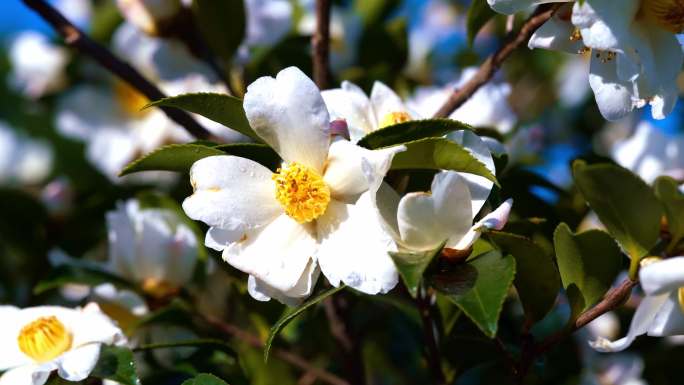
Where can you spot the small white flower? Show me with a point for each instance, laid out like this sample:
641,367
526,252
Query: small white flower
661,311
316,210
38,66
423,221
24,161
36,341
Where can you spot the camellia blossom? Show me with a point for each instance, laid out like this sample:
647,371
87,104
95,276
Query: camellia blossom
23,160
36,341
423,221
661,311
38,66
315,210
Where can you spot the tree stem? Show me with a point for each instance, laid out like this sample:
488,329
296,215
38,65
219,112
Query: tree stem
320,42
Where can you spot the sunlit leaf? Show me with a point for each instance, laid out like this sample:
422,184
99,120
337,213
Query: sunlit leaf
667,190
116,364
411,131
412,265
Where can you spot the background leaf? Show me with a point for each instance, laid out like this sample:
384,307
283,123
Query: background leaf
410,131
624,203
483,303
588,263
222,24
479,14
116,364
205,379
667,190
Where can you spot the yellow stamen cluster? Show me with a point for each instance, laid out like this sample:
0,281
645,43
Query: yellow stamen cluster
668,14
301,191
44,339
130,100
394,118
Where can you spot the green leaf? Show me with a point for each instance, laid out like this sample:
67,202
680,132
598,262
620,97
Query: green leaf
483,303
180,157
116,364
222,24
292,314
479,14
624,203
536,278
412,265
410,131
221,108
667,190
588,263
374,11
440,154
205,379
68,274
206,343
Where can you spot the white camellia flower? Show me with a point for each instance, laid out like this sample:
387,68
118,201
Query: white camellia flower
661,311
38,66
316,210
423,221
22,160
36,341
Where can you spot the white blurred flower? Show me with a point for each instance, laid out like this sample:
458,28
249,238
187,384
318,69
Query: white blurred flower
22,160
267,21
316,210
58,196
661,311
650,153
36,341
572,81
620,369
150,16
78,12
37,65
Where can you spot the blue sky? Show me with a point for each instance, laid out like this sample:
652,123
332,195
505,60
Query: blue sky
15,16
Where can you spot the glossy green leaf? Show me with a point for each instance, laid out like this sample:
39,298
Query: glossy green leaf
624,203
588,263
440,154
292,314
205,379
479,14
197,343
412,265
411,131
116,364
221,108
536,279
483,303
667,191
180,157
222,24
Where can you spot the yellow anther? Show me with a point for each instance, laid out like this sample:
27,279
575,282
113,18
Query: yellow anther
130,100
394,118
44,339
575,35
301,191
668,14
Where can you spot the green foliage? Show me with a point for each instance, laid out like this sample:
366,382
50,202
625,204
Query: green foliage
479,14
205,379
536,279
440,154
412,265
667,190
76,272
291,314
484,301
116,364
222,23
410,131
374,11
221,108
624,203
588,263
198,343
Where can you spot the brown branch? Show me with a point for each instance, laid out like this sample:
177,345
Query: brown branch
289,357
495,60
432,352
80,41
320,42
349,346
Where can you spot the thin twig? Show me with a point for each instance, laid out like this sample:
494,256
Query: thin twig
80,41
350,347
289,357
320,42
432,353
494,61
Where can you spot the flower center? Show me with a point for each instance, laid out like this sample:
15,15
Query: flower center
44,339
301,191
394,118
130,100
680,296
669,14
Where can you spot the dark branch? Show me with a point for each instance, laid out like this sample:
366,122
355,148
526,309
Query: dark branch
80,41
432,352
321,44
494,61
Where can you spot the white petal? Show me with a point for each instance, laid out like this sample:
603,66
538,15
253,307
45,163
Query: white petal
24,375
663,276
354,249
289,114
555,35
385,101
668,57
387,202
277,253
603,25
351,169
261,291
127,299
11,356
479,186
495,220
643,318
426,220
218,238
670,319
76,365
613,96
231,193
91,325
122,239
182,256
351,104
